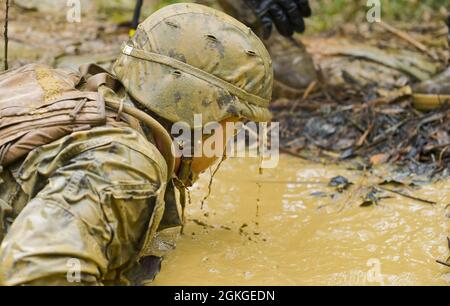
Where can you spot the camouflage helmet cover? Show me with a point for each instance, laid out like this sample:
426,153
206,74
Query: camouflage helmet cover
188,59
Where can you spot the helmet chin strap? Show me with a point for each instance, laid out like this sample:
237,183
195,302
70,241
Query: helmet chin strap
188,177
185,174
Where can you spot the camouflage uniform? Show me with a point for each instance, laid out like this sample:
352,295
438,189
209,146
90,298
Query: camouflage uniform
104,200
97,196
88,197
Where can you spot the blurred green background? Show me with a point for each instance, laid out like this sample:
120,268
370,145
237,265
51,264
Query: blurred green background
329,13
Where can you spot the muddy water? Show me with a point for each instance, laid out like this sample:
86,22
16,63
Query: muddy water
287,227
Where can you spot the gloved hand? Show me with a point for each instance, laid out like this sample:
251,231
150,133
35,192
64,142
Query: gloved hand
287,15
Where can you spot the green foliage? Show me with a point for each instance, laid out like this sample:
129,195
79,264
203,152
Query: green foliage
167,2
122,10
329,12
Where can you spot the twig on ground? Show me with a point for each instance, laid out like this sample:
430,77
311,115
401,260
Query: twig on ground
405,36
407,196
308,91
6,35
443,263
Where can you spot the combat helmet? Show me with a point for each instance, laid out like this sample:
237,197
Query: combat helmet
188,59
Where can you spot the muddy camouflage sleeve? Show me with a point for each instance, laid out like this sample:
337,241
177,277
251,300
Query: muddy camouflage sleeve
87,224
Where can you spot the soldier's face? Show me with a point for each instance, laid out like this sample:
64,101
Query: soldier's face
201,164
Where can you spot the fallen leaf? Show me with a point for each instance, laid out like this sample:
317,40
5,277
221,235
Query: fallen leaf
379,159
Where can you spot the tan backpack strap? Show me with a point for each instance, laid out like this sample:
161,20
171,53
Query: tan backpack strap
167,149
95,81
88,70
96,76
3,152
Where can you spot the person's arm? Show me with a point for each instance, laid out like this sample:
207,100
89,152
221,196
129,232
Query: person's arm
287,15
86,226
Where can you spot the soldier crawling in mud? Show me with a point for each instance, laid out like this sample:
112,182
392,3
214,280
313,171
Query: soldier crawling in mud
88,176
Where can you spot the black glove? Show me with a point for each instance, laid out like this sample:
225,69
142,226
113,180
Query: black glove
287,15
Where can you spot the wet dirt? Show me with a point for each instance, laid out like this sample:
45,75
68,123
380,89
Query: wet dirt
287,226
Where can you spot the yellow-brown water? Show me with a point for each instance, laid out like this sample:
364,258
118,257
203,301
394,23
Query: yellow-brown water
274,229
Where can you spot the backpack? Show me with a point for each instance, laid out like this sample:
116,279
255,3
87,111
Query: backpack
40,104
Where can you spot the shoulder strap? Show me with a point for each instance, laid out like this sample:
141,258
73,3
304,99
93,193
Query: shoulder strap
96,76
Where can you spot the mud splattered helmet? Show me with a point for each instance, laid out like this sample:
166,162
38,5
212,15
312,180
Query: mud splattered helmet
188,59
